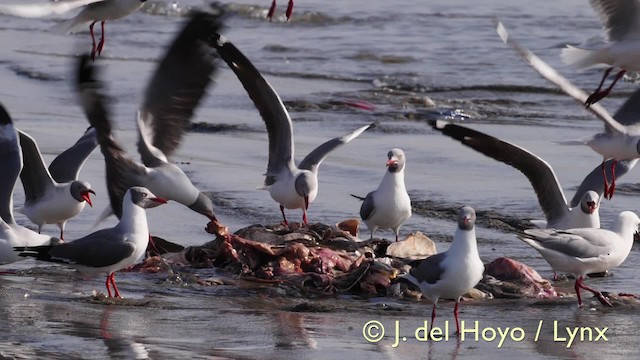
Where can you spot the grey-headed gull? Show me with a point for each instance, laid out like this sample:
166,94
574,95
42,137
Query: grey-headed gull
452,273
92,12
621,22
558,213
621,139
12,234
389,206
293,187
46,200
42,9
585,250
99,11
106,250
172,95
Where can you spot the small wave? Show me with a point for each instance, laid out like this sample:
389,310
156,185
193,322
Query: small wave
33,74
205,127
384,59
299,17
166,8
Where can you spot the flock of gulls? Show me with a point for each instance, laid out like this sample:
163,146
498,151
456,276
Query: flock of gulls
570,239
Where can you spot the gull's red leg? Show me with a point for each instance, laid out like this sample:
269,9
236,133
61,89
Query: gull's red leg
102,36
576,286
455,314
601,94
107,284
284,222
289,10
304,211
113,283
433,316
272,9
606,182
612,187
595,292
93,42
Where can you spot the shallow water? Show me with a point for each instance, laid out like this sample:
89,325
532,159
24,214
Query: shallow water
390,54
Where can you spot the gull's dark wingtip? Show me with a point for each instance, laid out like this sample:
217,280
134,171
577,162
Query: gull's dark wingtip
5,119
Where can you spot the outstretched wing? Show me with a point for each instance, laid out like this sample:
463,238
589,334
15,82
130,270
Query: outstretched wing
66,166
315,157
177,87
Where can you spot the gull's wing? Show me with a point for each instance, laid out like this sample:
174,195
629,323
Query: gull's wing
549,73
539,172
268,103
176,88
122,171
35,177
10,163
629,113
43,9
429,269
619,18
367,208
594,180
315,157
579,243
66,166
102,248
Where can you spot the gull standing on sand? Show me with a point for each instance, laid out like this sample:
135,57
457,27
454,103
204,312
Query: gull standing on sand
621,22
106,250
293,187
453,273
48,201
585,251
621,139
174,92
12,234
389,206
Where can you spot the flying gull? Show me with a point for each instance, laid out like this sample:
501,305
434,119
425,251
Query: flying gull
621,23
173,94
92,12
293,187
621,139
558,213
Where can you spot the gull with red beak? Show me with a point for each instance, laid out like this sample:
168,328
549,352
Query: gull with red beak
106,250
389,206
293,187
451,274
48,201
